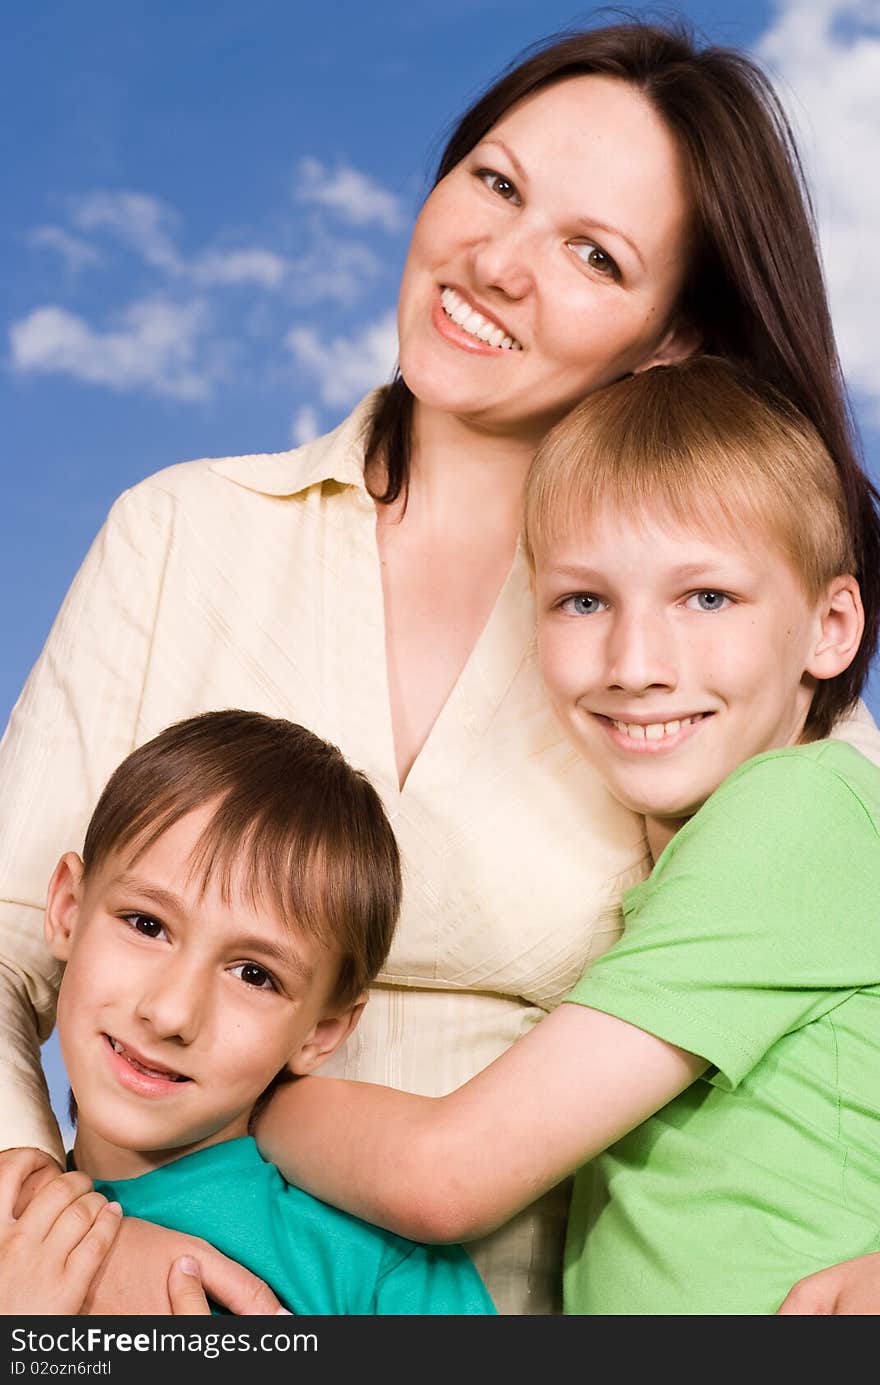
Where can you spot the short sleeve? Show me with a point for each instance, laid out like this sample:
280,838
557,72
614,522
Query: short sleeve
432,1280
762,914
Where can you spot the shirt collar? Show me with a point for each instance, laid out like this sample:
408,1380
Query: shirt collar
337,456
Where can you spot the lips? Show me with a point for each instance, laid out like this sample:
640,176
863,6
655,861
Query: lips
652,737
481,326
140,1063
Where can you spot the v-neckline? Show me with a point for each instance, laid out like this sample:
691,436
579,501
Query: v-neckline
487,672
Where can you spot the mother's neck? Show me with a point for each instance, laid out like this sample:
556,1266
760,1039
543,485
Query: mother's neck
459,469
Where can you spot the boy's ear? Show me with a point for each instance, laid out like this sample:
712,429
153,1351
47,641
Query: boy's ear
682,339
841,624
63,901
325,1038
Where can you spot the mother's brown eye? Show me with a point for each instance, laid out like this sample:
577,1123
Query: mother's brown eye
496,182
596,258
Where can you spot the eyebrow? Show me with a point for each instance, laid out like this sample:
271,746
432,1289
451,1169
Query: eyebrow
575,573
588,221
171,903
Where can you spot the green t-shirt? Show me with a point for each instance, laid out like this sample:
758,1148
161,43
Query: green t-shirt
755,943
317,1259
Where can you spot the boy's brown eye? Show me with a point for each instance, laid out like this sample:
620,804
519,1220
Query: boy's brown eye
253,975
144,924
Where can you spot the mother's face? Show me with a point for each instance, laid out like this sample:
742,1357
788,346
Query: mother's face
549,261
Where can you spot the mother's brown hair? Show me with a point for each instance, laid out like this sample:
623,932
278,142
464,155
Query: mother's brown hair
755,291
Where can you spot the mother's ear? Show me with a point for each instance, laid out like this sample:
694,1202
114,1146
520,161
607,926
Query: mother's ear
63,902
681,340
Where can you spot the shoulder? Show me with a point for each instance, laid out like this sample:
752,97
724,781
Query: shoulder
212,486
811,777
806,810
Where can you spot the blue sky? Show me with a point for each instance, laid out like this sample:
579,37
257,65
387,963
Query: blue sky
208,207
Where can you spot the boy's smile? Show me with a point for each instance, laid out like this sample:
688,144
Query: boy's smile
672,656
179,1005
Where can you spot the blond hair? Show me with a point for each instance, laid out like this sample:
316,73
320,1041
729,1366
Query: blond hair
700,443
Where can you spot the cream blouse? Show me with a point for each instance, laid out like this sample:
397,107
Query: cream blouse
254,582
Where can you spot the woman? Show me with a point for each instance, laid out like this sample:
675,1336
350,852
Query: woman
613,202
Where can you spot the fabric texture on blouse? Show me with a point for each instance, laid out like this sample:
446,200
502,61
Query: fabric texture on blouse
755,944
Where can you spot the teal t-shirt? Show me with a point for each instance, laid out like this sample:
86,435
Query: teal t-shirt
755,943
317,1259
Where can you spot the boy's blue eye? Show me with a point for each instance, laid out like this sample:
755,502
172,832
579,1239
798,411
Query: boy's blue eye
708,601
581,604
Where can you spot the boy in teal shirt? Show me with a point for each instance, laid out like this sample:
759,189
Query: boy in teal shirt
713,1077
238,891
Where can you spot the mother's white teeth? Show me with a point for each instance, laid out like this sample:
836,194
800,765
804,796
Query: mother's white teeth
474,323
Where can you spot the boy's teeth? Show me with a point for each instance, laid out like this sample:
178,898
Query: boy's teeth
150,1072
655,731
472,322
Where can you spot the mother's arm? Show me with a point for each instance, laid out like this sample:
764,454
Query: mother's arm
134,1278
75,720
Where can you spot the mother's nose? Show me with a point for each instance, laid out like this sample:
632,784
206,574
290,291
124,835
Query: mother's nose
504,260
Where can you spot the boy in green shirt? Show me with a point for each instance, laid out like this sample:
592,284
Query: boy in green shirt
238,891
713,1077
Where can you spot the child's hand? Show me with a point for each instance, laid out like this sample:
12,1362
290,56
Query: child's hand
52,1247
850,1289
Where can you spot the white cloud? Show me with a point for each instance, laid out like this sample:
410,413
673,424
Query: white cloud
139,221
347,367
145,225
353,195
334,271
262,267
77,254
153,347
827,55
305,426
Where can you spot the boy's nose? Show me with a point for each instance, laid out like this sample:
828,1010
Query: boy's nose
641,656
172,1005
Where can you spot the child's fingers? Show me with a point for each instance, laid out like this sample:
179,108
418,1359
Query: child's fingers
17,1166
54,1200
37,1179
73,1224
185,1289
91,1250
